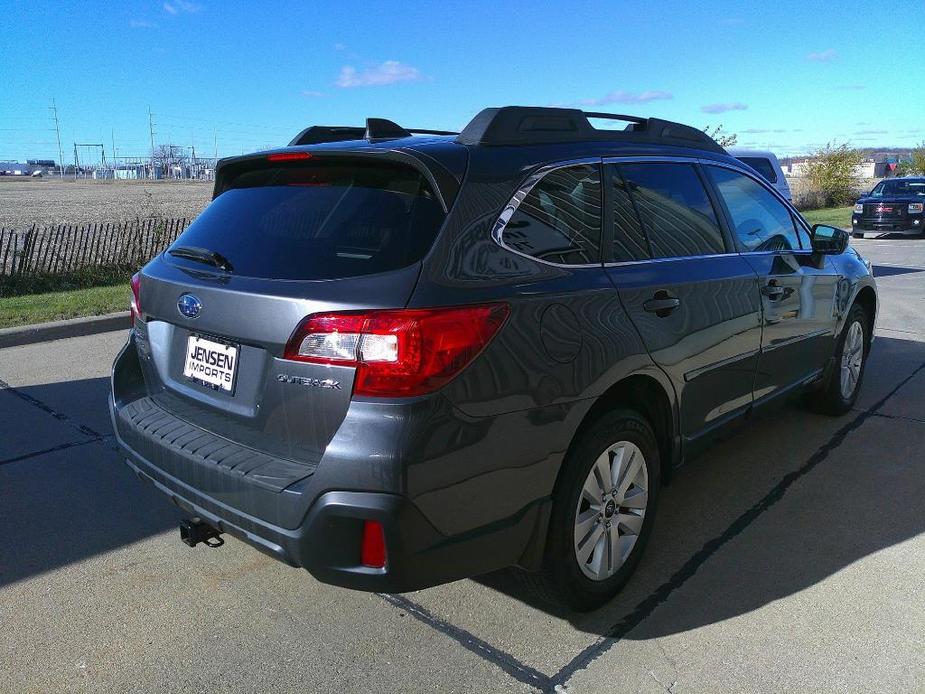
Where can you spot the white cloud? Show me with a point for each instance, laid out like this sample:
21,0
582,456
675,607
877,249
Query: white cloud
822,56
622,97
389,72
175,7
871,132
722,108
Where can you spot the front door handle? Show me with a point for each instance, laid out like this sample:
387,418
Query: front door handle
662,304
773,291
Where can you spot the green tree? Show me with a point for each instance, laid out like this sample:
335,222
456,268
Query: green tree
832,174
722,139
915,166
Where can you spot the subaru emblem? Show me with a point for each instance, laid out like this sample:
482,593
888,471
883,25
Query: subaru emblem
188,305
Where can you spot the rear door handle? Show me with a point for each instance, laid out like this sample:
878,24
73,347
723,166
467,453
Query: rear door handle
772,291
661,304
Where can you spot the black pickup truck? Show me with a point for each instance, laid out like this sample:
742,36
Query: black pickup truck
894,206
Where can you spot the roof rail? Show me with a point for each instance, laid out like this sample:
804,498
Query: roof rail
376,129
530,125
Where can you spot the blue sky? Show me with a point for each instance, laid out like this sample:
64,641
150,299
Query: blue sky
785,75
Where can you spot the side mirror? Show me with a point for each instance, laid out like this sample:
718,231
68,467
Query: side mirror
829,240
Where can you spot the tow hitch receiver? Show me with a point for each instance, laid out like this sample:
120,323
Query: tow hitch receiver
195,530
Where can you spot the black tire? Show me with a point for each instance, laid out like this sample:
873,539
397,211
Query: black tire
830,398
562,578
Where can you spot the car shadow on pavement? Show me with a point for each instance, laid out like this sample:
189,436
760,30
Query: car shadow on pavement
881,271
796,511
72,497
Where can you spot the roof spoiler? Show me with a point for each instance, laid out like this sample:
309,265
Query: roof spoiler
530,125
376,129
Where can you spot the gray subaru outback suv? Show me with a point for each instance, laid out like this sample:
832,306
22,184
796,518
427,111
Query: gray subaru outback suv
397,358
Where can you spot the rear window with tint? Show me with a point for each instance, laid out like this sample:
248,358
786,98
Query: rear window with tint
320,220
762,166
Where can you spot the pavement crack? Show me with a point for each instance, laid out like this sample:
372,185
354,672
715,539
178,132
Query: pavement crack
508,663
667,687
48,409
54,449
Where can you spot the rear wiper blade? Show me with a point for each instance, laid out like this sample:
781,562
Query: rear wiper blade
202,255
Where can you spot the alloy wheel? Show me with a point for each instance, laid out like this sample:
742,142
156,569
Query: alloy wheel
851,358
611,510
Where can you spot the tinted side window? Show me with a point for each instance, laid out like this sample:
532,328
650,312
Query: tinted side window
762,166
629,240
676,213
759,220
560,219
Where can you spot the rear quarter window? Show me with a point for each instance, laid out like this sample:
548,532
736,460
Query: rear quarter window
320,220
559,220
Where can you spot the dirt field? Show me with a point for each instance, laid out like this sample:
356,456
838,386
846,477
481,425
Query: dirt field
54,201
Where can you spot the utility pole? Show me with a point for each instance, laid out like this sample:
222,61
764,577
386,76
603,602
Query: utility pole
151,130
54,111
115,152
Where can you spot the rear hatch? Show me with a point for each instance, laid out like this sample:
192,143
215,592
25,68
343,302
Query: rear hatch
287,236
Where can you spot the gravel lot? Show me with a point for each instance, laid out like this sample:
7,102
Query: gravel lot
28,201
790,558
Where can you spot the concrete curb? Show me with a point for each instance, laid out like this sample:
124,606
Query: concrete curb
57,330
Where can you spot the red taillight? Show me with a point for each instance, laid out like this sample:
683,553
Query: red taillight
398,353
288,156
135,306
372,547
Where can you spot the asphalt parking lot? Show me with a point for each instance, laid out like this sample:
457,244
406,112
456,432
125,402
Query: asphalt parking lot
789,558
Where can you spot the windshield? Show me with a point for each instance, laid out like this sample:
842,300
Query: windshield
899,187
319,220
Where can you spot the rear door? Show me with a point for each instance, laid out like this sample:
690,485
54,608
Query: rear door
296,238
797,286
693,299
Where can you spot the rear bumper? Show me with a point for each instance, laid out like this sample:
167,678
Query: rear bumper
326,541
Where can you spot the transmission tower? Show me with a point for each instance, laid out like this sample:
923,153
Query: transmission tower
151,130
54,111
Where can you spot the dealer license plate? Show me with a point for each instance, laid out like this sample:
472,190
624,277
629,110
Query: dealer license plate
211,363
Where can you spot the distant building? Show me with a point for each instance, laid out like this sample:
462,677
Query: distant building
15,168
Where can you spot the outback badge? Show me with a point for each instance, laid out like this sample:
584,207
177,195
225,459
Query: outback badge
328,383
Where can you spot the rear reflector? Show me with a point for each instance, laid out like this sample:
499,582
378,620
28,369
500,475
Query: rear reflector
288,156
135,306
399,353
372,548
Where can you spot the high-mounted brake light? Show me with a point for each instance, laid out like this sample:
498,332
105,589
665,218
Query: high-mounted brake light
288,156
372,546
398,353
135,306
